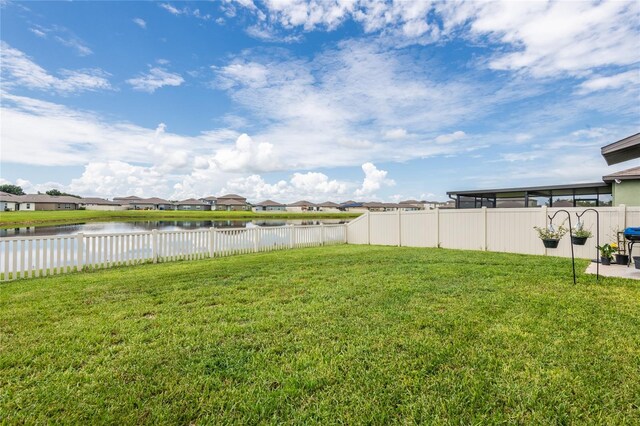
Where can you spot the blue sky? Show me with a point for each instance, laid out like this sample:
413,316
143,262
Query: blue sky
366,100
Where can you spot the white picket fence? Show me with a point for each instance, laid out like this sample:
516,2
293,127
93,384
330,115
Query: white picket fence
501,230
27,257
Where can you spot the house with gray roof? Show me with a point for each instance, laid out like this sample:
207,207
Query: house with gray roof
192,204
269,206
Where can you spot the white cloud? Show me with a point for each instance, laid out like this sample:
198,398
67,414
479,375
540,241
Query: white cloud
451,137
314,183
374,179
140,22
246,155
171,9
155,79
38,32
616,81
196,13
395,134
63,36
19,70
118,178
542,37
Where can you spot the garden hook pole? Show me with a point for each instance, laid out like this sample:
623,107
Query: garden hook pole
597,237
573,259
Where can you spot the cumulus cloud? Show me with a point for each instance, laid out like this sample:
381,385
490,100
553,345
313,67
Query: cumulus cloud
18,70
155,79
374,179
246,155
315,183
118,178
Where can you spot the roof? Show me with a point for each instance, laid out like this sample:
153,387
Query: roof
622,150
99,201
329,204
233,196
44,198
230,202
209,198
302,203
191,202
557,189
348,202
632,173
269,203
410,202
130,197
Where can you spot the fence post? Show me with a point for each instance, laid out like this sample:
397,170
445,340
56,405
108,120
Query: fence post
321,233
438,227
292,236
255,239
212,237
154,245
368,227
484,228
345,228
80,241
399,228
544,218
622,217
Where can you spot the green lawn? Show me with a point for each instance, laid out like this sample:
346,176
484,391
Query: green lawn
8,219
346,334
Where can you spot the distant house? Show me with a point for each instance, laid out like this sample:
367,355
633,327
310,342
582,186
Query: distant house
302,206
232,202
33,202
94,203
329,207
8,201
353,206
192,204
269,206
411,205
137,203
211,200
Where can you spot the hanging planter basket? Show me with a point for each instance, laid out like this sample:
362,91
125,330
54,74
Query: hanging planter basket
578,241
551,243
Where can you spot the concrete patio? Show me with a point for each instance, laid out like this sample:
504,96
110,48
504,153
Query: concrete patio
616,271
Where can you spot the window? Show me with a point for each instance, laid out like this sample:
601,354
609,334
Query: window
28,206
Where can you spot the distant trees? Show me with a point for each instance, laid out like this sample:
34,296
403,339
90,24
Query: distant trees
12,189
57,192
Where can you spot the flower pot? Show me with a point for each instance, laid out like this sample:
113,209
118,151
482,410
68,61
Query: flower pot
578,241
605,261
550,243
622,259
636,260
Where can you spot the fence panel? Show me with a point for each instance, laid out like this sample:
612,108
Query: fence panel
462,229
384,228
358,230
418,229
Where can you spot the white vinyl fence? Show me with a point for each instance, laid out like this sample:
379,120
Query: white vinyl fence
27,257
501,230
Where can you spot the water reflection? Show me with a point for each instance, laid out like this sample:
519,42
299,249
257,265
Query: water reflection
161,225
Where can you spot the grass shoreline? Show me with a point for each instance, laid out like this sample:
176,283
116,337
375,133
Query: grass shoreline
47,218
341,334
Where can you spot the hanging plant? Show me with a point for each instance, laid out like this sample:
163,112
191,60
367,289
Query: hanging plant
579,235
550,236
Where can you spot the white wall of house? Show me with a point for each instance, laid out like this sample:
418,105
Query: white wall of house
99,207
7,205
27,207
329,209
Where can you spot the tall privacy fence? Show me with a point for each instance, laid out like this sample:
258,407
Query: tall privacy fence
501,230
26,257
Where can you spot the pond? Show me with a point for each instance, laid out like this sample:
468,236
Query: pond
160,225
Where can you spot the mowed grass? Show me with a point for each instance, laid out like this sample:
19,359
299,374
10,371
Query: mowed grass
345,334
43,217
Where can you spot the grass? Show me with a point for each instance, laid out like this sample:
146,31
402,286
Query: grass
43,218
337,335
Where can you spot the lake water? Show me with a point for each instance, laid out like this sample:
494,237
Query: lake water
160,225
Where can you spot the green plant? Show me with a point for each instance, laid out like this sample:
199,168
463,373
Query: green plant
581,233
550,233
606,251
